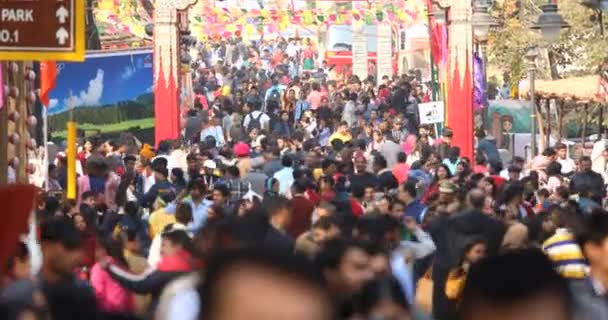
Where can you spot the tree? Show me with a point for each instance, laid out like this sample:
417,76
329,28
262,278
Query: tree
580,49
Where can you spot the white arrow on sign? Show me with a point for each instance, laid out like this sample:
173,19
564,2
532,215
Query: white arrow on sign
62,14
62,35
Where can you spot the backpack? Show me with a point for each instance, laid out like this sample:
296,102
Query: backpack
275,96
254,122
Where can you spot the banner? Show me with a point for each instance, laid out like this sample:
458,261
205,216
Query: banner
110,94
431,112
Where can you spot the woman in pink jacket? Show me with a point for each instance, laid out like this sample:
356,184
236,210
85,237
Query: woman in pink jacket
111,296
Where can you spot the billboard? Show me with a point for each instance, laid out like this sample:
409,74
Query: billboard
109,93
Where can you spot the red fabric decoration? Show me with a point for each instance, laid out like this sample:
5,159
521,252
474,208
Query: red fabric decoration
18,202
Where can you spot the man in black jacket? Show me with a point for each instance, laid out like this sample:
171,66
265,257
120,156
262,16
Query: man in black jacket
451,235
588,180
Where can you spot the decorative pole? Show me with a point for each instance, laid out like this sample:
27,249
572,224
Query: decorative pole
459,80
167,45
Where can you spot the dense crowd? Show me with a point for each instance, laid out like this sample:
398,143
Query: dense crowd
293,194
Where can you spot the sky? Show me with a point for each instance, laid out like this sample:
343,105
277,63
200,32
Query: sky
102,80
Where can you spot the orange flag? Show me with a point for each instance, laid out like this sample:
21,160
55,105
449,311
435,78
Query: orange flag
48,77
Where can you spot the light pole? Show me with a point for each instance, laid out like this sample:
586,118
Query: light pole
550,23
531,59
482,22
599,6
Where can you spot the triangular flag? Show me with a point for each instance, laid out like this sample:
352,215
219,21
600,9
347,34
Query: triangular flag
48,77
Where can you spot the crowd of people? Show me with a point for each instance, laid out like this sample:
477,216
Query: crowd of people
292,195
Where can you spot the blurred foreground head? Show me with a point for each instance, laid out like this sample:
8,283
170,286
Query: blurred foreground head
261,284
515,285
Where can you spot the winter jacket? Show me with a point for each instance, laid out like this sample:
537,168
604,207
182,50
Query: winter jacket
111,296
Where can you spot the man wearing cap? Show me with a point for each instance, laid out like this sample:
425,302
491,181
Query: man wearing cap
447,197
210,177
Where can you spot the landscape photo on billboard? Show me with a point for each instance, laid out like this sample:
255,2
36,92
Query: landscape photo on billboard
108,93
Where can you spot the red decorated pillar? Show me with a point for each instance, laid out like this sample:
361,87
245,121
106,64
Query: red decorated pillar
459,107
166,67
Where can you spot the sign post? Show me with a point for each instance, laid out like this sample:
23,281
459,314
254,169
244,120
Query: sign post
42,30
431,112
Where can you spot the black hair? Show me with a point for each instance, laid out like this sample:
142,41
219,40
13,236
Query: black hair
233,171
326,222
357,190
401,157
278,203
222,188
334,251
511,191
114,249
162,171
179,237
496,166
129,157
178,173
554,169
523,274
198,184
62,230
183,213
159,162
380,161
326,163
375,226
272,260
21,253
287,161
376,291
409,186
594,228
87,194
549,152
301,184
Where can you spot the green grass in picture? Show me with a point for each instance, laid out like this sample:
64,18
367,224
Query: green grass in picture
93,129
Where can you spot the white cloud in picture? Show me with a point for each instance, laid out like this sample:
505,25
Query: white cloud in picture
127,73
92,96
53,103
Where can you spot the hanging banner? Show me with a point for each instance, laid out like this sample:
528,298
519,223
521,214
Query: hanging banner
385,51
431,112
110,93
359,53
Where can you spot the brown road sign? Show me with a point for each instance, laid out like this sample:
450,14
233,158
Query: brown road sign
42,30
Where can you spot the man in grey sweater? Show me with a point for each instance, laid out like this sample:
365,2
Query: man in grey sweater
591,294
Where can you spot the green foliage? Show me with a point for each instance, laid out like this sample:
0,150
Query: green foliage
140,108
581,48
583,43
509,43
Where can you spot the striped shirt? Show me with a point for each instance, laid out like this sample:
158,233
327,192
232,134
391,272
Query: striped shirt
566,255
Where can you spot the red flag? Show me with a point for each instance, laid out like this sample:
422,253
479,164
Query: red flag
18,202
48,77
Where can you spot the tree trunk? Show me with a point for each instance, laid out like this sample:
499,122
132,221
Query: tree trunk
553,65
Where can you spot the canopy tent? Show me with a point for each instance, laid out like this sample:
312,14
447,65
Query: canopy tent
579,88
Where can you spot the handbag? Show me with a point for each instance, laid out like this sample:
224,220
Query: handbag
455,283
424,291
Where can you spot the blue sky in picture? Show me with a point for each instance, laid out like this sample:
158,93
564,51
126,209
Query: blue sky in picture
101,80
